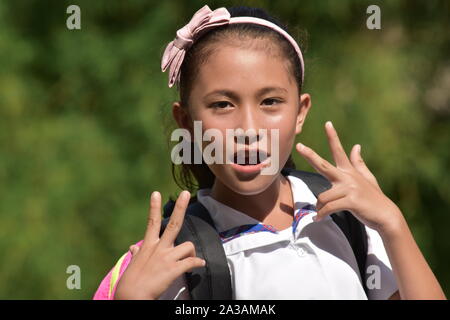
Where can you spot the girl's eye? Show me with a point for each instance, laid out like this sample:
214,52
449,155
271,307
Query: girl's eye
272,101
220,104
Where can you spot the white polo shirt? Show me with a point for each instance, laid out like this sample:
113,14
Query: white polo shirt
308,260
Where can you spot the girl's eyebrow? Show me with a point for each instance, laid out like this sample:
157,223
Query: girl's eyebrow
234,95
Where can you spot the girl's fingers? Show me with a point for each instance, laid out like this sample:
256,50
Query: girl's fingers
154,220
321,165
134,249
331,207
184,250
176,220
360,165
330,195
338,152
188,264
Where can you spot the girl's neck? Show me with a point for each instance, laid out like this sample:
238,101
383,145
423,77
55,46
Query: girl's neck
274,205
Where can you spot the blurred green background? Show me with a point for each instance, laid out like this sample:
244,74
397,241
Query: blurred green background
83,118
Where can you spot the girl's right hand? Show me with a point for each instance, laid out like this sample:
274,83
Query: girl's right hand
157,263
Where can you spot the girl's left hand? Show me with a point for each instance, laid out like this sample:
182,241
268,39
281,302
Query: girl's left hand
354,188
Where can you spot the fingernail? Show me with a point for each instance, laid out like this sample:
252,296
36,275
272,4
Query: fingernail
155,195
329,124
186,194
300,146
204,262
359,148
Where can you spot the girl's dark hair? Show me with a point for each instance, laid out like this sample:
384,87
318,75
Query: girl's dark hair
197,176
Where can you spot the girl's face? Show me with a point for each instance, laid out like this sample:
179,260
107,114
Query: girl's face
246,89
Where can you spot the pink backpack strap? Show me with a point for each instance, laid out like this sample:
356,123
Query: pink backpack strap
108,285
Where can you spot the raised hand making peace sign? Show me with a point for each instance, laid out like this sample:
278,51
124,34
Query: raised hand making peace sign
157,263
354,187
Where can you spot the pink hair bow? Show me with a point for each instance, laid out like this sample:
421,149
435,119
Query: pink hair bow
175,51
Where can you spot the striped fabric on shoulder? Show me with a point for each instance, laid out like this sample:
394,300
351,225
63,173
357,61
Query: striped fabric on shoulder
238,231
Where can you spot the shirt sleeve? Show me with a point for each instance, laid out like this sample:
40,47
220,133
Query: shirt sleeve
177,290
380,278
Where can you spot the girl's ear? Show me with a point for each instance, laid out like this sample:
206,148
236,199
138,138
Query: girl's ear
181,116
305,105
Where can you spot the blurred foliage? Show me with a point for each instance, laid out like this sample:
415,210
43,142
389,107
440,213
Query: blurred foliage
83,118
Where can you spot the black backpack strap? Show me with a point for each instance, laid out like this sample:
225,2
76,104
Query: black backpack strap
353,229
357,237
212,282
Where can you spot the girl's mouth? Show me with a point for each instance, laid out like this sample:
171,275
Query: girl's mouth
250,161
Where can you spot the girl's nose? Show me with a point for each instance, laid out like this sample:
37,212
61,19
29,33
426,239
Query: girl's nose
247,137
249,126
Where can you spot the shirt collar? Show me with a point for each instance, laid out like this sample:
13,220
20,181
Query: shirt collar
228,220
224,217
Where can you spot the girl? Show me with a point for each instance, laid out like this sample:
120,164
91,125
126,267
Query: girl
239,68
